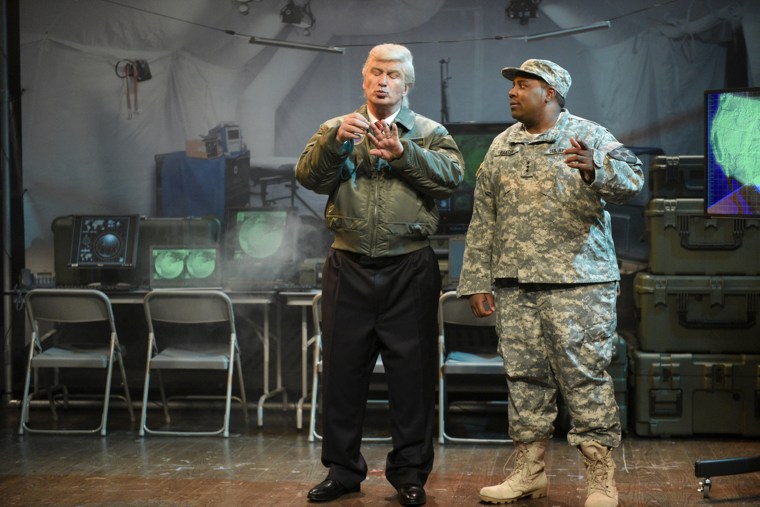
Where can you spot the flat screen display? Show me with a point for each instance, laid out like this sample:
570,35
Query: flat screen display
456,258
732,152
104,241
185,266
473,140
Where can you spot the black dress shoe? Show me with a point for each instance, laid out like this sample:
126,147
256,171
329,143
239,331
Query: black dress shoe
329,489
411,494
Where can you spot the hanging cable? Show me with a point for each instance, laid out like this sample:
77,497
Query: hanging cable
136,70
128,70
653,6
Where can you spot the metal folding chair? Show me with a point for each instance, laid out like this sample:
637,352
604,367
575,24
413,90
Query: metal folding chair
454,311
316,340
79,347
207,349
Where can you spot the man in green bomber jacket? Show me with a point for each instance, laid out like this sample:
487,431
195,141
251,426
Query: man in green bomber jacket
383,167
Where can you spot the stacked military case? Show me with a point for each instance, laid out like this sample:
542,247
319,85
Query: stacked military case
696,365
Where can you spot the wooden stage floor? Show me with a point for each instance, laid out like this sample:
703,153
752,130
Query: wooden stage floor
276,465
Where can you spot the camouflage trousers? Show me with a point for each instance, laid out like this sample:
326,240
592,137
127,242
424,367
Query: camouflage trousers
559,340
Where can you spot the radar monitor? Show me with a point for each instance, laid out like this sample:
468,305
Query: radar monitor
104,241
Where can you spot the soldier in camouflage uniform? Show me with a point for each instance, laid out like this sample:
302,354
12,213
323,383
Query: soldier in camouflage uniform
539,252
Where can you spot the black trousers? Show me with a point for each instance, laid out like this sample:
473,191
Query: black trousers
387,307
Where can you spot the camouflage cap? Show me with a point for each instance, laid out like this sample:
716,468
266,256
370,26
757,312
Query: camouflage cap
554,75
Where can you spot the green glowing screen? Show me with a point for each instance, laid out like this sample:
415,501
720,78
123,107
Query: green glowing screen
183,263
732,152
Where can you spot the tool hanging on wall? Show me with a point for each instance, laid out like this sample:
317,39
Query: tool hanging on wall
136,70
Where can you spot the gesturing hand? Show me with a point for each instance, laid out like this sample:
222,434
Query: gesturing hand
581,157
354,127
385,140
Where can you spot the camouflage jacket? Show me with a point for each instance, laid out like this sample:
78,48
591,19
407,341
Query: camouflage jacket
535,219
378,208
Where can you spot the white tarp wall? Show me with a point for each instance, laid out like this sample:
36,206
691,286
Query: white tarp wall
643,79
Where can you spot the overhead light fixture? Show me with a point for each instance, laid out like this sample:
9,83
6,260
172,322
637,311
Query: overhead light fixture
297,15
569,31
242,6
522,10
295,45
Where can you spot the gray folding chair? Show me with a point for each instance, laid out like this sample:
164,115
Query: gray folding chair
462,361
316,340
206,349
50,313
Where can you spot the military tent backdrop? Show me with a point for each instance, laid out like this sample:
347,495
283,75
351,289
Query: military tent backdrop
89,137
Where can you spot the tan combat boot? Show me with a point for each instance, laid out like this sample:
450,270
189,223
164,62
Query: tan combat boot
527,478
600,473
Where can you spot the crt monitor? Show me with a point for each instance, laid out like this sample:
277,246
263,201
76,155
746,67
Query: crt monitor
473,140
260,233
261,243
732,152
104,241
